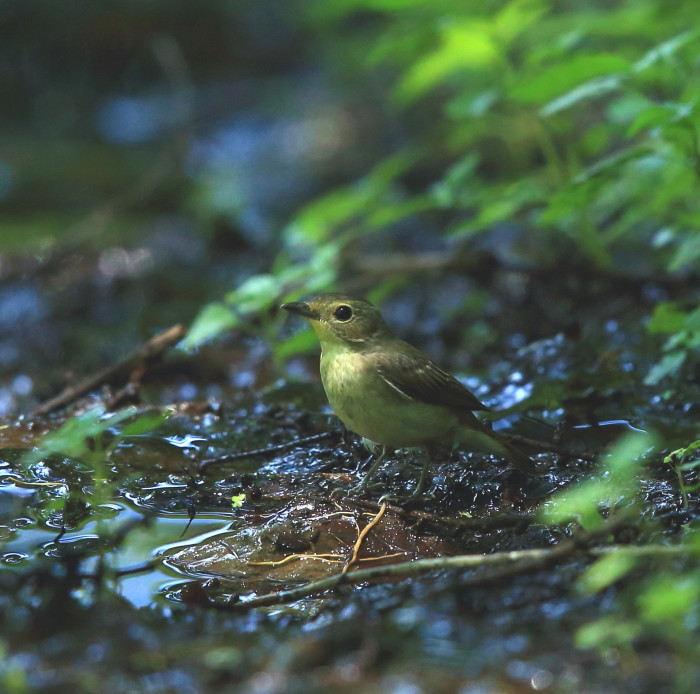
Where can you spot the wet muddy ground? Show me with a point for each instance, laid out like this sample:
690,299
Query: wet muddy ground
173,522
129,565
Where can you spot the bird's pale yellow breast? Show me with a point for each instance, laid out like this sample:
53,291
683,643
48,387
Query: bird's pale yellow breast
373,409
342,373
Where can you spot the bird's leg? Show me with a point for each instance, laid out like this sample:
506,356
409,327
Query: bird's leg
364,482
417,492
423,474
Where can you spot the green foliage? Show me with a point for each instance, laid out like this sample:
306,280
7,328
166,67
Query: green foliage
237,500
663,603
586,120
684,456
13,676
661,596
87,440
616,484
607,632
73,438
558,81
245,307
669,599
682,348
313,247
574,125
607,571
684,460
82,436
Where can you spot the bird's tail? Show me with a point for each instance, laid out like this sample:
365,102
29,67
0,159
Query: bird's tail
520,460
483,438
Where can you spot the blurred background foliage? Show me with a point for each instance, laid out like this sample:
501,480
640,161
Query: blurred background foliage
237,153
495,173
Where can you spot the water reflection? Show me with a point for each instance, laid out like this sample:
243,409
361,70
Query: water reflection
26,540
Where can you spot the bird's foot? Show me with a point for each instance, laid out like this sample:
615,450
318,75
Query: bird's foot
356,490
416,495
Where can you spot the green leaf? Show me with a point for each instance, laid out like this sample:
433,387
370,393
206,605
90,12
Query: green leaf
667,318
212,320
145,423
582,504
318,273
665,50
607,632
322,220
472,106
465,44
670,598
593,89
616,483
606,571
653,117
669,364
681,454
257,293
318,221
389,214
567,75
692,322
623,461
516,16
237,500
299,343
504,203
458,177
687,254
72,439
612,163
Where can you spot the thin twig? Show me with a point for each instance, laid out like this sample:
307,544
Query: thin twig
149,350
23,483
504,563
361,536
524,559
381,557
331,558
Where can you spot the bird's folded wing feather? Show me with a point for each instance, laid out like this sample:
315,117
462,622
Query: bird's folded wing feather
416,377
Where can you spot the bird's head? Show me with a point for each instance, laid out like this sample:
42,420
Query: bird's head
338,318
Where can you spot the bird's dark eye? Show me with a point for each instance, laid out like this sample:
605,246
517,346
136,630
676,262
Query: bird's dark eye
343,313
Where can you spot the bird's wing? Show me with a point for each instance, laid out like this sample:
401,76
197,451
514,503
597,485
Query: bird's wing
412,374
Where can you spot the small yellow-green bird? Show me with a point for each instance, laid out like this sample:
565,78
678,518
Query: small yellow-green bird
389,392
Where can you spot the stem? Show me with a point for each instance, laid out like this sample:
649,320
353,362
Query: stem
502,563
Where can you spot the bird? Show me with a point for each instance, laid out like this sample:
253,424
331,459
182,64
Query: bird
389,392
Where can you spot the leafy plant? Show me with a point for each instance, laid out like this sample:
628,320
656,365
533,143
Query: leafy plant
567,126
84,444
310,262
682,347
684,460
658,595
615,485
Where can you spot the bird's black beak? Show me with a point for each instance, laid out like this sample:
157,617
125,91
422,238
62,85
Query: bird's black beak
301,309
